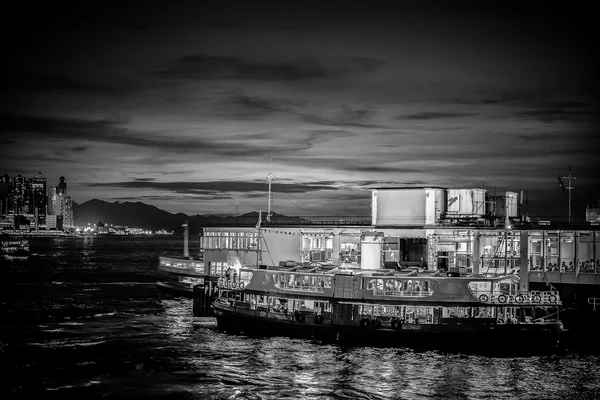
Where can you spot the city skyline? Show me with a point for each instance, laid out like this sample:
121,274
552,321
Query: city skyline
182,106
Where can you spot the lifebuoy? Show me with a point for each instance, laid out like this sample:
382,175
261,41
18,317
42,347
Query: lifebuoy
519,299
537,298
552,299
484,298
502,298
233,284
376,323
318,319
220,282
365,322
241,285
300,318
396,323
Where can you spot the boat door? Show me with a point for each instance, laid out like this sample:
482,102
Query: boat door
445,260
344,286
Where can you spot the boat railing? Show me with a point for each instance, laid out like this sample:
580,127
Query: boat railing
299,288
403,293
518,297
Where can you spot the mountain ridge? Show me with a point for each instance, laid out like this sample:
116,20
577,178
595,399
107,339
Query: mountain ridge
146,216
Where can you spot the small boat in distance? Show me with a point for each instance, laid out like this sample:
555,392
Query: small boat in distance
14,248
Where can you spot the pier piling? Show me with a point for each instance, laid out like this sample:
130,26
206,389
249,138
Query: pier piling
203,299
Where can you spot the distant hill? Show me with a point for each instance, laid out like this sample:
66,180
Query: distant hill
141,215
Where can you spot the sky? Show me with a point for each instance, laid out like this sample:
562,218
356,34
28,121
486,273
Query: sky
186,105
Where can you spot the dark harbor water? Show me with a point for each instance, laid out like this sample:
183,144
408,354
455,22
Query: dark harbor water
84,319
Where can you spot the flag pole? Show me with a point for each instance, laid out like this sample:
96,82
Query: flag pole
569,188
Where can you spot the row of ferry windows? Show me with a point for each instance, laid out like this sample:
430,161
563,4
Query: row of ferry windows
393,285
229,240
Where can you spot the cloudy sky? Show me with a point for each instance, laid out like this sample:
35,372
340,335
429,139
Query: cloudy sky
181,105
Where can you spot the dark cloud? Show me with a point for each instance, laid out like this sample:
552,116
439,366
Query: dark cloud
254,106
539,137
144,179
203,66
58,127
209,187
434,115
112,131
385,168
570,111
344,116
79,149
44,82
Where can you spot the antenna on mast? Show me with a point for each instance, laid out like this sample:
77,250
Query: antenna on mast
569,188
270,178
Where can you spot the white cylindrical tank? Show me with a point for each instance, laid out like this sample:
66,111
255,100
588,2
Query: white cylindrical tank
512,204
370,250
466,202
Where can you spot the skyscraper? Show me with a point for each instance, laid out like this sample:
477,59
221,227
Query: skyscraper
62,187
68,212
39,200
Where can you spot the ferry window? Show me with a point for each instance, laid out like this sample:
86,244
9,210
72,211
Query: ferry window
371,284
551,251
585,252
245,276
462,247
379,284
567,247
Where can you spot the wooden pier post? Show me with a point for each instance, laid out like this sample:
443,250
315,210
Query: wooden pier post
203,299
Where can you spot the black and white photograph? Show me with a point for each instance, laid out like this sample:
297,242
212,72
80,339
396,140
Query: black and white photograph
299,200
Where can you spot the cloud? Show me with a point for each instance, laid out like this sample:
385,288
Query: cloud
79,149
254,106
58,127
570,111
203,66
210,187
144,179
434,115
43,82
539,137
113,131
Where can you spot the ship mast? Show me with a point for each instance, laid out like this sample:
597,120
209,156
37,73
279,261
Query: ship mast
569,188
269,178
258,249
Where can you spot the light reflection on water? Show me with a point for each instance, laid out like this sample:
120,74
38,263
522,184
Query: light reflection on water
88,321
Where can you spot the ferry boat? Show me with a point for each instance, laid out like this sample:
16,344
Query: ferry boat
14,248
372,305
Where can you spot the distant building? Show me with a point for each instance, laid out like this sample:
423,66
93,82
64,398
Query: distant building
60,206
52,201
39,200
62,187
67,212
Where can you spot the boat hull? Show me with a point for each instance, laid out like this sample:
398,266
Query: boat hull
489,338
177,287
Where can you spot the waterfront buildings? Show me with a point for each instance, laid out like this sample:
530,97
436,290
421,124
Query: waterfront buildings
28,204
